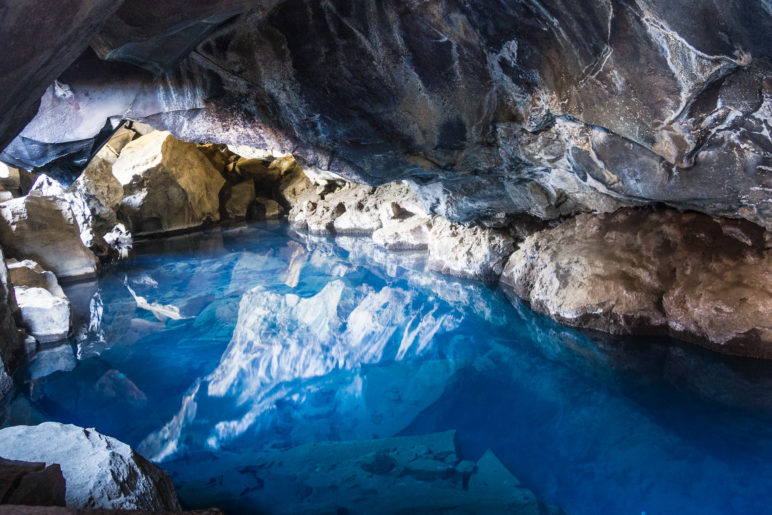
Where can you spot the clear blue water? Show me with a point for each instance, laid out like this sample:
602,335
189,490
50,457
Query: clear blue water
251,341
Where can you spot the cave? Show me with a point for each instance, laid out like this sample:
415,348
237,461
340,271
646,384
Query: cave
358,256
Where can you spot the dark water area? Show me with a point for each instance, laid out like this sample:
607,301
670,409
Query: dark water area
277,372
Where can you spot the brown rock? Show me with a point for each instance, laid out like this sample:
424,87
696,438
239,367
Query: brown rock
33,484
694,277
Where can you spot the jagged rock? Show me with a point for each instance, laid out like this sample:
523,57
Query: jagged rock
32,484
468,251
353,208
659,272
167,185
100,471
411,233
242,195
45,230
44,307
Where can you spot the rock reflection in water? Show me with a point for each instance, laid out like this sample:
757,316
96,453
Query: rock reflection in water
296,347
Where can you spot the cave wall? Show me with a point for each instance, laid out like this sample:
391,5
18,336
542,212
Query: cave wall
550,108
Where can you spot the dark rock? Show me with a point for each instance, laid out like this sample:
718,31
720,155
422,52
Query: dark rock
32,484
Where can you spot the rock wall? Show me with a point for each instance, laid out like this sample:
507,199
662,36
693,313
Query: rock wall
549,108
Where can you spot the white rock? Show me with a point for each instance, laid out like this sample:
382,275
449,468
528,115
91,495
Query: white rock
44,307
45,230
100,472
471,252
55,359
409,234
167,184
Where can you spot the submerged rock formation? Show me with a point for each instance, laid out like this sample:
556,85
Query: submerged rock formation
653,272
100,472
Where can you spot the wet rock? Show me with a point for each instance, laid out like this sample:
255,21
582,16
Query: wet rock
31,484
659,271
468,251
242,196
100,472
167,185
44,307
47,231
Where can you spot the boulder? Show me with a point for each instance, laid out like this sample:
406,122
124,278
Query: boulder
47,231
242,196
167,185
32,484
44,307
473,252
100,471
660,271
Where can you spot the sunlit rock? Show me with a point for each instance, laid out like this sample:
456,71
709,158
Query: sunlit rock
47,231
167,185
468,251
656,272
44,307
100,471
412,233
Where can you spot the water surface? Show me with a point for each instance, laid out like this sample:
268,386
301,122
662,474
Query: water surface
228,354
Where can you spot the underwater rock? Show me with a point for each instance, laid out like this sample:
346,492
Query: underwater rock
47,231
167,185
468,251
659,271
100,472
412,474
44,307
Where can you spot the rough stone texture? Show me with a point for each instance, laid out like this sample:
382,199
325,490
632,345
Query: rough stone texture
549,108
412,233
40,39
657,272
33,484
242,195
42,229
267,209
44,308
167,185
468,251
100,471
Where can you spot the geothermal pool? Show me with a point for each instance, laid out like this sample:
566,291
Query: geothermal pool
271,371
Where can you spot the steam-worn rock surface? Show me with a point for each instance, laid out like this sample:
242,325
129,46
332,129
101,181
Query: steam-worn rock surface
45,230
100,472
167,185
549,108
653,271
44,307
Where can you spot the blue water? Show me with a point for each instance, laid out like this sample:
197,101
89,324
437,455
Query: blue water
340,341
